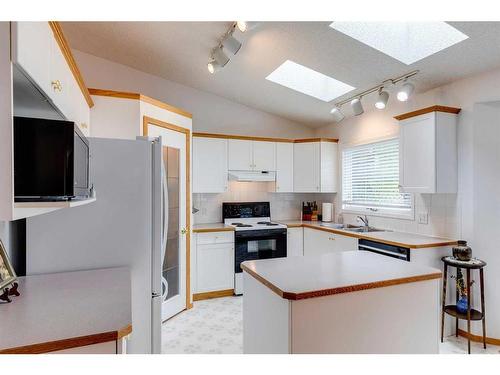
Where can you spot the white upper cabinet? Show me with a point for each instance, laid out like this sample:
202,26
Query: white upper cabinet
240,156
428,151
284,167
249,155
209,165
315,167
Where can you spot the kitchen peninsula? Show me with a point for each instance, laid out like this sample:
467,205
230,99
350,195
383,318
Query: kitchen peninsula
348,302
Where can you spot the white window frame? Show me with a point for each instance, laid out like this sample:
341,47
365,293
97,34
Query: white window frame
395,213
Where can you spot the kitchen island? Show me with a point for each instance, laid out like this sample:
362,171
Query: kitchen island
348,302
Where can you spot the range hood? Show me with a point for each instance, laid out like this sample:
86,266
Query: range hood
252,176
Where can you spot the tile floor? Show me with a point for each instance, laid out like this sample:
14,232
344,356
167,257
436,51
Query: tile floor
215,327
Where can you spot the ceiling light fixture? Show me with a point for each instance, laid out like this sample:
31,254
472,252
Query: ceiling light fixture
383,95
213,66
357,106
231,44
383,98
220,57
245,26
337,114
405,91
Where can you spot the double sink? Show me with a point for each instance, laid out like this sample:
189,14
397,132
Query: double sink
352,228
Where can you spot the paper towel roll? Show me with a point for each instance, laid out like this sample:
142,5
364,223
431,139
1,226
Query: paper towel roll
327,211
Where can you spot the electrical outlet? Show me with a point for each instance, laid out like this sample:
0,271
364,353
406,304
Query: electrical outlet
423,218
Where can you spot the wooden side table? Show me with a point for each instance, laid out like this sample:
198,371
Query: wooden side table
472,314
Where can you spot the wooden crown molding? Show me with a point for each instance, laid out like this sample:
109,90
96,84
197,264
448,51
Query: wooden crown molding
263,139
434,108
68,55
141,97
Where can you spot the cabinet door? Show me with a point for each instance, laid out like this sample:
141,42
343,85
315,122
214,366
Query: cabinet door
317,242
240,155
284,167
344,243
264,156
31,50
329,167
295,242
214,267
417,149
306,167
209,165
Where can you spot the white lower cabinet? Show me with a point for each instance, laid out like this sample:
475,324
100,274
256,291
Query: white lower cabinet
214,262
317,242
295,242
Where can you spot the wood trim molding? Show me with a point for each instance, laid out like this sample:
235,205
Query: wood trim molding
68,55
215,294
434,108
368,237
149,120
308,140
262,139
478,338
141,97
211,230
339,290
74,342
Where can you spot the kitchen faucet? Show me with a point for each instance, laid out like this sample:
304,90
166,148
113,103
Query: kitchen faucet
364,220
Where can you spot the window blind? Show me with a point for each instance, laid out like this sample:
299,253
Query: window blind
371,176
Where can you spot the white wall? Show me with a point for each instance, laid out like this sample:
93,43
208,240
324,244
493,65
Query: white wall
211,113
460,215
4,235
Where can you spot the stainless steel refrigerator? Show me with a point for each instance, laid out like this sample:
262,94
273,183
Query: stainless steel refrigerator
125,226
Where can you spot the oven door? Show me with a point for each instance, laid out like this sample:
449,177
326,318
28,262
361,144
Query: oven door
258,244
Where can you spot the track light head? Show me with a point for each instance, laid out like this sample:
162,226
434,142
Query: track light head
357,106
245,26
337,114
213,67
231,44
220,57
383,97
405,91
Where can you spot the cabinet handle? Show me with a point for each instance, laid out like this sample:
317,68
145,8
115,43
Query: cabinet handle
331,238
56,85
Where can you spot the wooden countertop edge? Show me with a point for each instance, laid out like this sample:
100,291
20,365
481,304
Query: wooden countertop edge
340,290
207,230
368,237
73,342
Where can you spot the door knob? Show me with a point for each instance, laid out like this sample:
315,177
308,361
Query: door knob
183,231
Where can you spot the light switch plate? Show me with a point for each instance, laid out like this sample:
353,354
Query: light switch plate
423,218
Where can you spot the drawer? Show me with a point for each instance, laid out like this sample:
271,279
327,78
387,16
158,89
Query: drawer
215,237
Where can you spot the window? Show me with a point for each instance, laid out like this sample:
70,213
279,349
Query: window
370,180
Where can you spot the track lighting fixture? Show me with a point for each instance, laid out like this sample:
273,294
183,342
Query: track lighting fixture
213,66
231,44
357,106
220,57
245,26
337,114
383,97
405,91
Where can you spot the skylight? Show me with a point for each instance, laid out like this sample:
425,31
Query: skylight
407,42
307,81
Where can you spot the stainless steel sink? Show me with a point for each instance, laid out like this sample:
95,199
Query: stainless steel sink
340,226
364,229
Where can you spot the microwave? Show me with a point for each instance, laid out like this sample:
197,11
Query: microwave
51,160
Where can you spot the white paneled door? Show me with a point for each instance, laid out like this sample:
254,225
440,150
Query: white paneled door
175,233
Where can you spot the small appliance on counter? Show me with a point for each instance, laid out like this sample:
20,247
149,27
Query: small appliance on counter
255,236
327,212
51,160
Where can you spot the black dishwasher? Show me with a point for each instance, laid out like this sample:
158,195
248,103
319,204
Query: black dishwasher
392,251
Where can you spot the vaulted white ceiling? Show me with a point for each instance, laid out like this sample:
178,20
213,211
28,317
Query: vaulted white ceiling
179,51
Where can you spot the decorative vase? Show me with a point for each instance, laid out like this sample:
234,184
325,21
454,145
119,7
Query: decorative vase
462,251
462,304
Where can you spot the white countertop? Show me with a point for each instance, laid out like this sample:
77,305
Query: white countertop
65,310
297,278
403,239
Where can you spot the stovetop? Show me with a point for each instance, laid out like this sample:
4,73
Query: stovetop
253,223
249,216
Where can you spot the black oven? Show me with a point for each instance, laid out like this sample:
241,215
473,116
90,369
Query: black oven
259,244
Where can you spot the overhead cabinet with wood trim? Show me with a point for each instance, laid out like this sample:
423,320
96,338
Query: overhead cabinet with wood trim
209,165
428,150
245,155
38,78
315,166
284,167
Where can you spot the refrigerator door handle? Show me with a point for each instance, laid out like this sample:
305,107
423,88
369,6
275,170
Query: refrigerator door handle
165,206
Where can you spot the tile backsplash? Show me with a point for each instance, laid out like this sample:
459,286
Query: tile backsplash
283,205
